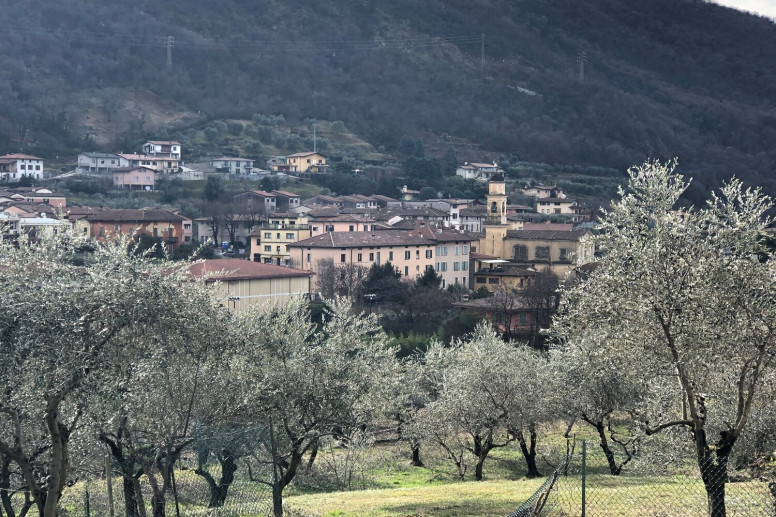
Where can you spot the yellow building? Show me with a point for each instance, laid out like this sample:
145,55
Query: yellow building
302,162
268,242
242,283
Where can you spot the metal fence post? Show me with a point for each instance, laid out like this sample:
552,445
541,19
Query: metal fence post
87,510
584,473
277,501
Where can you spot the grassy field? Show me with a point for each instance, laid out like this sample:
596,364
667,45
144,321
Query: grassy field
379,481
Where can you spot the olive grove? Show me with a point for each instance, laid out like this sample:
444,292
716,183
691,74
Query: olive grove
685,300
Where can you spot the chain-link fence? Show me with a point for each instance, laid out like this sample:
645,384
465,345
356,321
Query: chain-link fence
582,485
216,475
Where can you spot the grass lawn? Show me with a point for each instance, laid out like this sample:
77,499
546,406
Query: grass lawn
486,498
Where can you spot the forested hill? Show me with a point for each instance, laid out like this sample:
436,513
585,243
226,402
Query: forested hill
661,78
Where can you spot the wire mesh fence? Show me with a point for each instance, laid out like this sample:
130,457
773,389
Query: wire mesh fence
582,485
216,476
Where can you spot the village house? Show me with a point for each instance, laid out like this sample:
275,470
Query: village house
44,196
161,164
134,178
557,206
109,223
325,222
257,201
14,224
514,316
98,163
239,284
285,201
14,167
306,162
233,165
478,171
163,149
409,252
268,242
544,192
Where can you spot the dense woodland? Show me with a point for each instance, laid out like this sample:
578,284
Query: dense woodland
661,78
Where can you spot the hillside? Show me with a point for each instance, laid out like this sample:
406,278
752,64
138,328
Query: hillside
661,78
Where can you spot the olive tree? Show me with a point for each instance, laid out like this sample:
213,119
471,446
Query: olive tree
312,382
484,394
70,309
685,298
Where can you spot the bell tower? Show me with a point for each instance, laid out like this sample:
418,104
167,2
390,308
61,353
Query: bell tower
495,225
497,200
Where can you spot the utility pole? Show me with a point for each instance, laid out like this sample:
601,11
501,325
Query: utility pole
482,52
169,43
581,58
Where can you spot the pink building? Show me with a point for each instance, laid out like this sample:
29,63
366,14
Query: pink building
134,178
408,251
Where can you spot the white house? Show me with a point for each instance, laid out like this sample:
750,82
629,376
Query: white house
163,148
477,171
233,165
14,167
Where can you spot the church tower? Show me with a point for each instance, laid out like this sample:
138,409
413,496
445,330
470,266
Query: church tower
496,223
497,200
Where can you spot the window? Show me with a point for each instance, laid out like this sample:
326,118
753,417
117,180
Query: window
442,267
366,227
329,228
480,280
564,253
268,248
267,235
521,252
406,255
429,267
417,254
456,266
116,228
37,167
428,253
464,266
390,256
522,319
156,232
542,252
456,250
187,239
492,280
315,228
258,241
278,234
406,270
187,226
371,257
342,257
359,257
289,236
465,250
277,249
102,231
351,228
308,257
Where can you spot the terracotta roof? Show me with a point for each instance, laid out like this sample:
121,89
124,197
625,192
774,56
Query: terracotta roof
481,256
239,269
133,168
284,193
363,239
546,235
19,156
561,227
131,215
299,155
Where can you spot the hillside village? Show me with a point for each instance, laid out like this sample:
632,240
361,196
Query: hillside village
278,245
